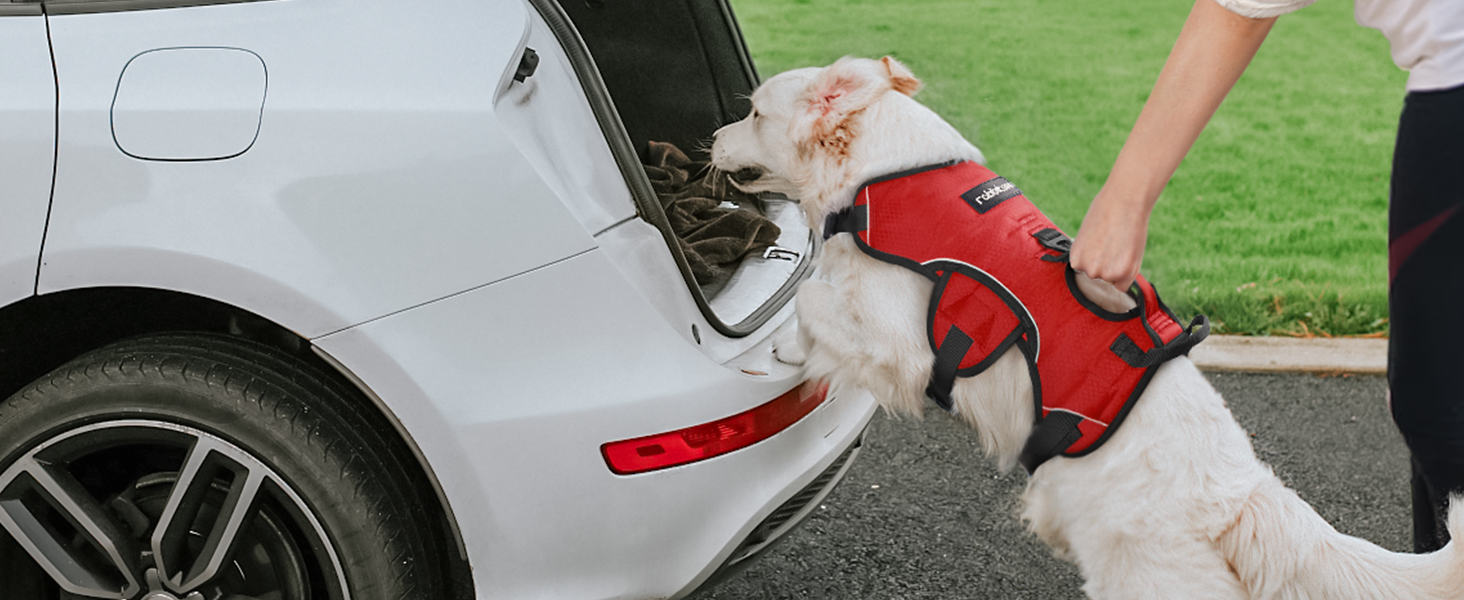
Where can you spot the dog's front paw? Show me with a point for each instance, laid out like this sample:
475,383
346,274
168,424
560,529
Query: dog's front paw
786,347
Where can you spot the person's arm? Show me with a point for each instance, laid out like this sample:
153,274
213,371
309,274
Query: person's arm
1213,49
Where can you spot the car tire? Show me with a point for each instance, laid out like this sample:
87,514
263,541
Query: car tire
197,466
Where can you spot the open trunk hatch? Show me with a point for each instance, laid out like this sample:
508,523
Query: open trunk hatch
662,76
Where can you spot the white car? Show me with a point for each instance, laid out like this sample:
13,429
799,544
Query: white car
358,299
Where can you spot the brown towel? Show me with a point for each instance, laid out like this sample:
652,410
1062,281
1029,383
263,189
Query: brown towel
714,238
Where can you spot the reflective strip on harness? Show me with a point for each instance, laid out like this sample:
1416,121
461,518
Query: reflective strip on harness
975,236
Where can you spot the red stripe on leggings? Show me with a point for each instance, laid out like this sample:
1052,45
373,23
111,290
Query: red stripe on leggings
1400,249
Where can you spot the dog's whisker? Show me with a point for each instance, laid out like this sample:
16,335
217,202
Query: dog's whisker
713,178
704,145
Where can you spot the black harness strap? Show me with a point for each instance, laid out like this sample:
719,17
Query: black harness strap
1050,436
850,220
947,361
1129,351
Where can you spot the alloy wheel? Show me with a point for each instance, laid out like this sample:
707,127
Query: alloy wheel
152,510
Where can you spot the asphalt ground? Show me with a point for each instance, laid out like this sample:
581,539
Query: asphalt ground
922,514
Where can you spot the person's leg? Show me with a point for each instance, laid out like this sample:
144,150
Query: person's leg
1426,293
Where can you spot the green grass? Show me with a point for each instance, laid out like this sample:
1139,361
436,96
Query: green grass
1276,222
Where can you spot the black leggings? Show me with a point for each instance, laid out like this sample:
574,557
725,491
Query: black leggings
1426,290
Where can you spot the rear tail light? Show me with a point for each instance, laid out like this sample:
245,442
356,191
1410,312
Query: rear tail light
700,442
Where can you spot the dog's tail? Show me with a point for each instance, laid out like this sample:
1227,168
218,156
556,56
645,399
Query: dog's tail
1281,548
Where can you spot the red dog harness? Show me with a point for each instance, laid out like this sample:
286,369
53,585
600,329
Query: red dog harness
1002,279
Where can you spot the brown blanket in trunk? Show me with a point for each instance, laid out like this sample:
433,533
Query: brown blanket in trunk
714,238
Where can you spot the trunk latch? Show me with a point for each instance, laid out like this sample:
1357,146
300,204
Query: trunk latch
527,65
780,253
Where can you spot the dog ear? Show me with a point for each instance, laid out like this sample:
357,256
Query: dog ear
901,79
836,94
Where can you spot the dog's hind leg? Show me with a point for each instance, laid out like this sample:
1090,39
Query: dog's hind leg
1283,549
1142,569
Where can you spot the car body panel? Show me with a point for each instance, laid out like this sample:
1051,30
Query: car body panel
501,411
378,182
571,156
27,149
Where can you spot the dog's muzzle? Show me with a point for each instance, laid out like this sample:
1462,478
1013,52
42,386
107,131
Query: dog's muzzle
747,174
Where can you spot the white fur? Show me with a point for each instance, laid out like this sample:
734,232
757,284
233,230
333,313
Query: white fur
1174,505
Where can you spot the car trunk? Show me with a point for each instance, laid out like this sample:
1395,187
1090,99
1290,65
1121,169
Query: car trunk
663,74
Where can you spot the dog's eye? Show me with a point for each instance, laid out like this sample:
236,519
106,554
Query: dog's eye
755,114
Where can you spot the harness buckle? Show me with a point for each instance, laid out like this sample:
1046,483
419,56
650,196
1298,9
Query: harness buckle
1053,239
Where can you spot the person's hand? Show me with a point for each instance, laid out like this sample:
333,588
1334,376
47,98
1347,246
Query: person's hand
1110,245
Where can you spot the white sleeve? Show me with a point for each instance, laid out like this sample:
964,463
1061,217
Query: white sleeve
1261,9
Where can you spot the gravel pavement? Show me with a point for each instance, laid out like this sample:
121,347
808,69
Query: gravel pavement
923,515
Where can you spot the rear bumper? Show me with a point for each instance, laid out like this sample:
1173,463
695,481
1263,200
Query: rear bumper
784,519
510,413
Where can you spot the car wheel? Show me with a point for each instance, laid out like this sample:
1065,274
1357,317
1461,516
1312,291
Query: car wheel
195,467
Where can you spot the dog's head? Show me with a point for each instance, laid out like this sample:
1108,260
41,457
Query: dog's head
803,136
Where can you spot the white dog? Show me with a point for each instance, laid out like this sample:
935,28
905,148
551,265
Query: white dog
1174,505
